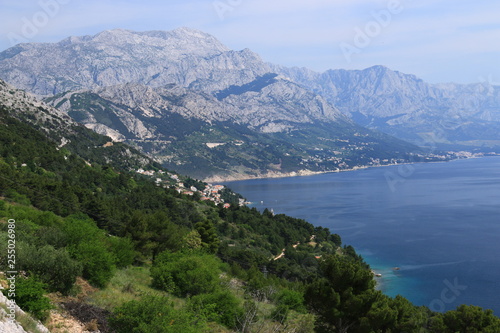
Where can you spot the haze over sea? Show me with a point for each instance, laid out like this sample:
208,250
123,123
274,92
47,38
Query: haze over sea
438,223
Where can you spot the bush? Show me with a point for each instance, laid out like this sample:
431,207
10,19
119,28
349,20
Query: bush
123,251
80,228
291,299
97,262
186,274
30,297
287,300
153,314
54,267
87,244
221,307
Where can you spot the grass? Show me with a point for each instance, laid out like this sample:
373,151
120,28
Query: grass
127,284
28,323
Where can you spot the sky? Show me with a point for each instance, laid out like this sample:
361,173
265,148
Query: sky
437,40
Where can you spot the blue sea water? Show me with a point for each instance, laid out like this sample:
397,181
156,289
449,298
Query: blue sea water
439,223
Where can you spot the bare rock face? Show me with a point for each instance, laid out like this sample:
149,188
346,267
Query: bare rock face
277,107
405,105
12,326
249,91
185,57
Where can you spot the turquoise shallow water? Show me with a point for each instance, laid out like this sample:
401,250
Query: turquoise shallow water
439,223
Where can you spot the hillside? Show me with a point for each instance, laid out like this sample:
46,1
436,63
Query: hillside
109,249
399,104
244,136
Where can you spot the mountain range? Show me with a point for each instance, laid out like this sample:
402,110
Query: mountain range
407,107
202,109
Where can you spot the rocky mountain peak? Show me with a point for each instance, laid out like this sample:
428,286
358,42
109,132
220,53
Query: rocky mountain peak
184,56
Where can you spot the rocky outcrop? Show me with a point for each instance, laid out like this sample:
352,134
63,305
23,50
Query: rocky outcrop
137,109
8,314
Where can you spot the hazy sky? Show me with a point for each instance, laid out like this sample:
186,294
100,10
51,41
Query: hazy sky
437,40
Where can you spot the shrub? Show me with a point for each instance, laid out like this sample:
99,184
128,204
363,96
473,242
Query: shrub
123,251
30,297
153,314
97,262
186,274
221,307
54,267
293,300
80,228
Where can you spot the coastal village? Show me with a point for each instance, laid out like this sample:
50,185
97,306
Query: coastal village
209,193
213,193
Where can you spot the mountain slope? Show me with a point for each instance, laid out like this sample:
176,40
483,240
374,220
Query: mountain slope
186,57
67,134
406,106
196,106
245,134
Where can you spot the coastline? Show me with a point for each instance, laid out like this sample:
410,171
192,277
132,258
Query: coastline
404,281
305,172
300,173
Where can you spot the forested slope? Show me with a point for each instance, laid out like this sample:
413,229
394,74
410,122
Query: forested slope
84,220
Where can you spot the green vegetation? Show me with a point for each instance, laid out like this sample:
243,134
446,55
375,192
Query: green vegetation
181,144
164,262
186,274
30,295
154,314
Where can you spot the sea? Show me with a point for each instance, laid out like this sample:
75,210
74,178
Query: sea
432,230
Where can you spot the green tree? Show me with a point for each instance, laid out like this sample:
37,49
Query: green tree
208,234
192,240
123,251
343,295
466,319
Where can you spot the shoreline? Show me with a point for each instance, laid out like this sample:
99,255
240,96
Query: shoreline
305,173
301,173
396,281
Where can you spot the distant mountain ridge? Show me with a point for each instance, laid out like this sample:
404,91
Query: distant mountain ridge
395,103
197,106
406,106
184,56
243,135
